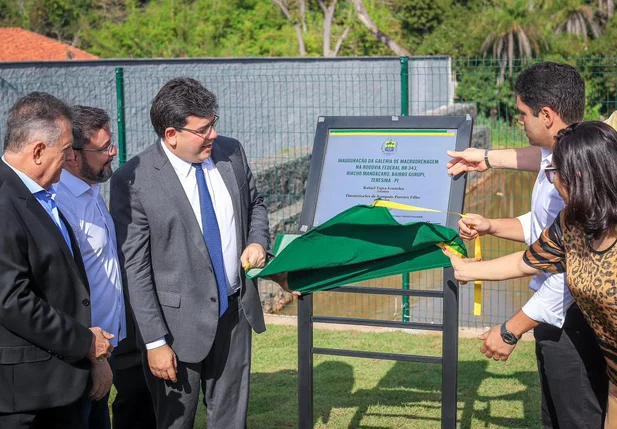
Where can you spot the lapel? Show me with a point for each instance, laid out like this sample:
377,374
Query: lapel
224,167
173,188
32,204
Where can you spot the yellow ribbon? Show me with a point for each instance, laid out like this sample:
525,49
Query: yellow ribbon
477,286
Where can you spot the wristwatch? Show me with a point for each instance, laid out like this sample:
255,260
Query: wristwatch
507,336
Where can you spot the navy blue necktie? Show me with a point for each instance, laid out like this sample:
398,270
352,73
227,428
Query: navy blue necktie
212,236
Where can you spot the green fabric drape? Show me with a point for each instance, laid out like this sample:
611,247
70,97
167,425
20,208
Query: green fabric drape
361,243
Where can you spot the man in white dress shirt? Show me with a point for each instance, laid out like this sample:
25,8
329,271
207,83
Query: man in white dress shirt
189,221
79,198
572,369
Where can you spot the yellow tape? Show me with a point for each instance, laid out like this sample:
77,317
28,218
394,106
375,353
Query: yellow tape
441,245
399,206
477,286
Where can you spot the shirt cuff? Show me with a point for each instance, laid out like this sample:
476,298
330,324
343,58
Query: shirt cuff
156,344
540,311
525,221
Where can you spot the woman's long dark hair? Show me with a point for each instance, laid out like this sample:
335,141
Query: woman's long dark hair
586,158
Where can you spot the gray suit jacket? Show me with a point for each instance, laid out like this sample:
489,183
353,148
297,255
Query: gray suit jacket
166,265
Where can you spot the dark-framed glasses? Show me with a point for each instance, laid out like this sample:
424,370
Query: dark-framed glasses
106,150
205,131
550,173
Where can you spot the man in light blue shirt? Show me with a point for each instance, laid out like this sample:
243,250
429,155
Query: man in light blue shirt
79,198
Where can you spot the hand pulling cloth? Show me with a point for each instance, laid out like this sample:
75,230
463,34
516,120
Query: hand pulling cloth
361,243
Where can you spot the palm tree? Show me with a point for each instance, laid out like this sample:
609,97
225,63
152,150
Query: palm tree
608,7
513,34
578,18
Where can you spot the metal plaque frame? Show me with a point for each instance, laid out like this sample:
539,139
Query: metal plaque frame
449,293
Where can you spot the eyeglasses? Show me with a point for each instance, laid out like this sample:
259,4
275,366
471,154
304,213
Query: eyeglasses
205,131
106,150
550,173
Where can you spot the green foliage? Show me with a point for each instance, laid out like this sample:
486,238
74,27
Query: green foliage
59,19
453,36
418,18
180,28
477,83
360,42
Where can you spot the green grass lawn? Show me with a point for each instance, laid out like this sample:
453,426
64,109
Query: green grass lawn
367,393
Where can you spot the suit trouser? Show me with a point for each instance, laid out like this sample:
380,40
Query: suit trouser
132,407
67,417
572,374
223,376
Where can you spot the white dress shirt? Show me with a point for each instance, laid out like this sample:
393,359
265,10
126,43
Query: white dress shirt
223,208
44,197
552,297
84,208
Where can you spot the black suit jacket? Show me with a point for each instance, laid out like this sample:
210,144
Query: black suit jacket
44,306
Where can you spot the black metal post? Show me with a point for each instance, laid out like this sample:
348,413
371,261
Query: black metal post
449,380
305,362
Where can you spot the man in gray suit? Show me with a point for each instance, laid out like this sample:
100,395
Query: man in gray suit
189,220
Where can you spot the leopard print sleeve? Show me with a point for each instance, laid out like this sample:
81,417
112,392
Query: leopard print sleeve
547,253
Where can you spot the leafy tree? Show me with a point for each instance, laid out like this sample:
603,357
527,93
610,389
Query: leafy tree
183,28
298,22
59,19
607,7
453,36
419,18
365,18
513,33
578,18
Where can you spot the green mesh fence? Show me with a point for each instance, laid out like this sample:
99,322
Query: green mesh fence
272,107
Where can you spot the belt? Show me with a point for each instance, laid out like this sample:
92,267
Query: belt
233,296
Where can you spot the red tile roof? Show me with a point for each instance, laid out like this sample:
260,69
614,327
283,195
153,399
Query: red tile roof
17,44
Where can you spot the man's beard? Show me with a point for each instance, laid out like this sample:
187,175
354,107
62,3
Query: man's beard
90,174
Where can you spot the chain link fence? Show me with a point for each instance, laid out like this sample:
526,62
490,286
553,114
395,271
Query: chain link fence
272,106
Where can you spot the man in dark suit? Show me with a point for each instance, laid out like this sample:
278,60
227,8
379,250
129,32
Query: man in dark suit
46,345
189,220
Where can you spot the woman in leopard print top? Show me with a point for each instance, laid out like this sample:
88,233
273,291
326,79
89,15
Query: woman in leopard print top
582,240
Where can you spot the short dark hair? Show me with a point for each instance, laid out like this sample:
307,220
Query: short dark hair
585,156
34,116
558,86
177,100
87,121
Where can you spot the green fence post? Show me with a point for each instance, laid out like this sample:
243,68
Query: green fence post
120,115
404,86
405,112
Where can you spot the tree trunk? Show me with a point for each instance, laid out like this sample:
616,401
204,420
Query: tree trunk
299,36
301,47
340,42
365,19
328,16
303,14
